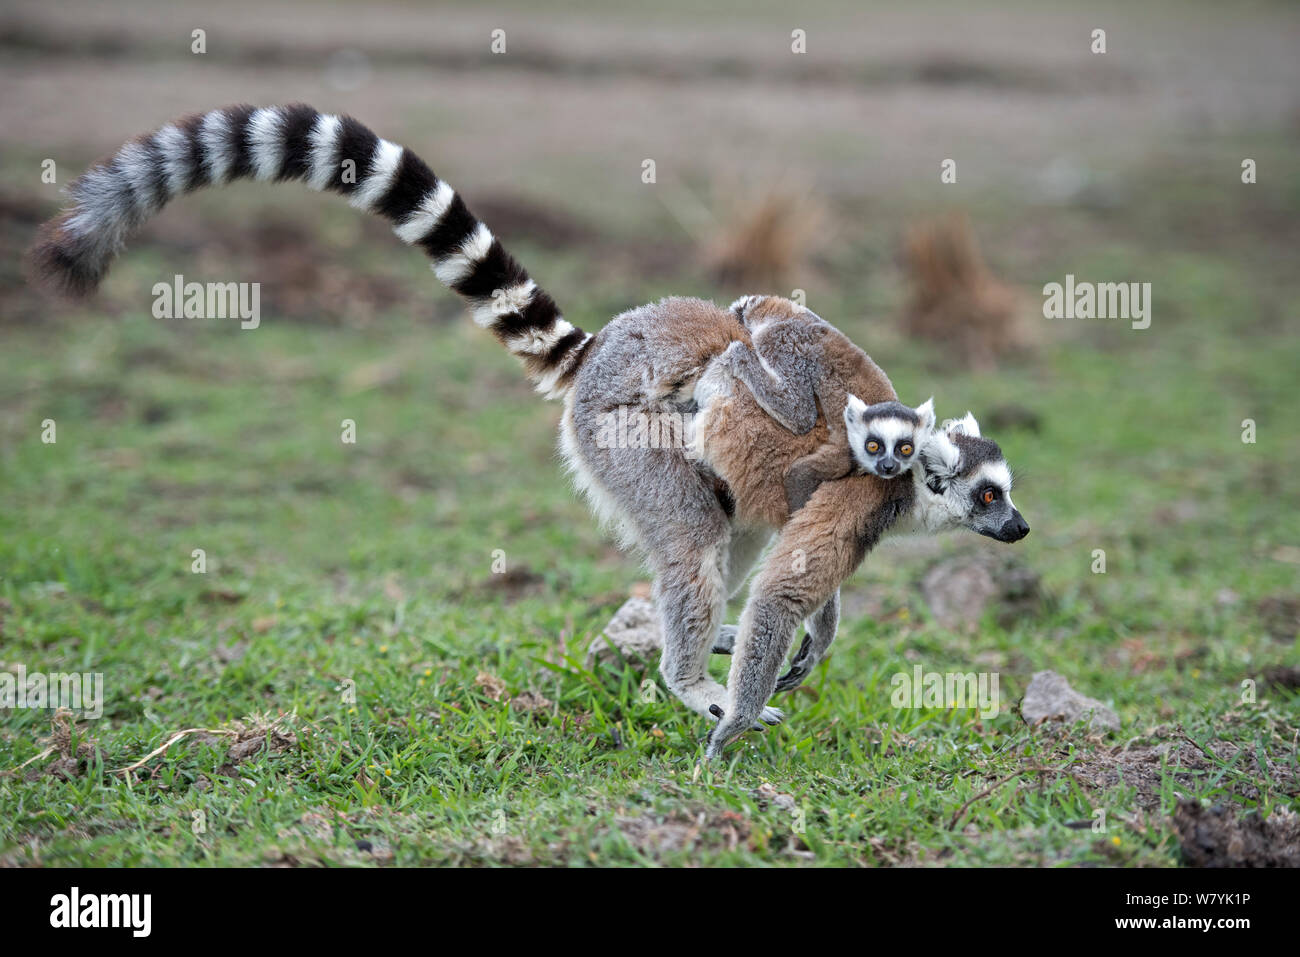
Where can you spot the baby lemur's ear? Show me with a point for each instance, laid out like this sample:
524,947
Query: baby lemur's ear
925,412
854,410
740,305
963,426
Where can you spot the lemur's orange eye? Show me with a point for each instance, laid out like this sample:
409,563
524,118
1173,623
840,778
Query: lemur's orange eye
873,446
905,448
988,496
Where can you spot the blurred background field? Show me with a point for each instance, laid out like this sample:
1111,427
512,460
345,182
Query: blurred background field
775,171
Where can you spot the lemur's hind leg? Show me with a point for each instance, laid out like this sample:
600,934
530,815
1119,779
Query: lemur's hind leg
821,627
689,596
746,544
725,642
671,509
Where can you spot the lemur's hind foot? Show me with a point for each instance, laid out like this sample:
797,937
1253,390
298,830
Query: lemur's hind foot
702,696
725,642
802,664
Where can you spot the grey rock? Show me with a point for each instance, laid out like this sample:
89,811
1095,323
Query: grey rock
633,632
959,590
1049,695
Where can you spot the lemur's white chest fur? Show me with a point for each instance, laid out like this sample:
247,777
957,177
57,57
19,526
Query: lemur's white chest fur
930,514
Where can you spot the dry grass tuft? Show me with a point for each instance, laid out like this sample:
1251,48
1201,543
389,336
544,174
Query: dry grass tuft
245,738
761,238
955,300
74,747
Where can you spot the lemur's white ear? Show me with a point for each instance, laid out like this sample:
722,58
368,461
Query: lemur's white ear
925,412
963,426
940,460
854,409
741,304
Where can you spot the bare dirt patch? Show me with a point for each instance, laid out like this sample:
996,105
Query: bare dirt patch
1185,764
1216,837
656,835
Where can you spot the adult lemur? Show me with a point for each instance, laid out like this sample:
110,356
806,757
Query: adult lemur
700,521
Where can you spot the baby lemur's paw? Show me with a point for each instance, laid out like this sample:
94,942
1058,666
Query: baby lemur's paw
732,354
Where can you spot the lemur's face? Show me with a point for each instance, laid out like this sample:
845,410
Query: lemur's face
970,477
885,438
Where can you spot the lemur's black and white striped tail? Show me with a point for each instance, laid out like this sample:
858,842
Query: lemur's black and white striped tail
74,250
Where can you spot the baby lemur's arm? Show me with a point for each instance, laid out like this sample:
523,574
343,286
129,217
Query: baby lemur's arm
833,459
829,461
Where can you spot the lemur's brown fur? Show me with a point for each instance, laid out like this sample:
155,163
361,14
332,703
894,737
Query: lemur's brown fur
679,350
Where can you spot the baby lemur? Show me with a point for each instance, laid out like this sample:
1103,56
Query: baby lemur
699,519
787,371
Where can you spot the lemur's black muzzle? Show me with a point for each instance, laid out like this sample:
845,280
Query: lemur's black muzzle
1013,529
886,466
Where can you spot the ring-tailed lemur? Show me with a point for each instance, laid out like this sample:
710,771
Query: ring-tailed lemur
699,531
959,479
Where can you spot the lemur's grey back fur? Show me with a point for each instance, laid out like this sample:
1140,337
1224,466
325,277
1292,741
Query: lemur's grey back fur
327,152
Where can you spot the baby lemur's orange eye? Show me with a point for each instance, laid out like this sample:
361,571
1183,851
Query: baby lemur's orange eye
905,449
873,447
988,496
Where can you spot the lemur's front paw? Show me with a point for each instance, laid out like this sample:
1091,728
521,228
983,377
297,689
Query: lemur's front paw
725,642
768,716
727,730
720,735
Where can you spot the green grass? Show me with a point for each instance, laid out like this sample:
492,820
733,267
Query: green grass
332,566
